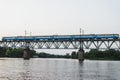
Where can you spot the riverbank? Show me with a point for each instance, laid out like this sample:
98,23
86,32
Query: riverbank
93,54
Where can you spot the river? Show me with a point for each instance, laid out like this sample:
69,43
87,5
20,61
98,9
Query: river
58,69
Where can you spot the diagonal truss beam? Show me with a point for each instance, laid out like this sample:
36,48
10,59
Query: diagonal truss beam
86,44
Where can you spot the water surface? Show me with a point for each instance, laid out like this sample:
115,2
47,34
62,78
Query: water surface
58,69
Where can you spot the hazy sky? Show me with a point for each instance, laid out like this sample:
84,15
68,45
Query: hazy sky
50,17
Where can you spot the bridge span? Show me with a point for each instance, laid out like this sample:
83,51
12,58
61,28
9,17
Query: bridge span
80,42
65,44
86,41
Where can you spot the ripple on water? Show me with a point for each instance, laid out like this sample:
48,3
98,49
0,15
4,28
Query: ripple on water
58,69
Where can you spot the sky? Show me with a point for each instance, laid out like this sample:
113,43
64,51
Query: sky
59,17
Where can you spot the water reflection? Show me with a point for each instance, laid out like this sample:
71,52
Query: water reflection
26,74
58,69
80,70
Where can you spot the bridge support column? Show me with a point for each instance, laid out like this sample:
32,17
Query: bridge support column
26,54
80,55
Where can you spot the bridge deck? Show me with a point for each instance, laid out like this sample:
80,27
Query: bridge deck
89,41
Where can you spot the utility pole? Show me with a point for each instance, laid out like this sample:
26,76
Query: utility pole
80,31
25,33
81,51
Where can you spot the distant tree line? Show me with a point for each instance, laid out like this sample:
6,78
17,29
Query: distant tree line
110,54
48,55
14,52
95,54
18,53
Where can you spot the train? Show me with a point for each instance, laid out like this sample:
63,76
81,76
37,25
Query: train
61,37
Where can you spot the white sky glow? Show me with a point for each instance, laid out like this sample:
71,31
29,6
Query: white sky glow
51,17
44,17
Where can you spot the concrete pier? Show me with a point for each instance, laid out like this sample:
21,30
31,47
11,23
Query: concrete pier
26,54
80,55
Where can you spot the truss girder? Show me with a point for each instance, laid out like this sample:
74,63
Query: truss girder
86,44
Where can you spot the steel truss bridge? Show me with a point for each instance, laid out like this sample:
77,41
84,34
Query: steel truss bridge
65,44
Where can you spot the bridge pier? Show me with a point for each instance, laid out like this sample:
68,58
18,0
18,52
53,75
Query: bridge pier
26,54
80,54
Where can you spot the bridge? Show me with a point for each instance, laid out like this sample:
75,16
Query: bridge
80,42
88,41
67,44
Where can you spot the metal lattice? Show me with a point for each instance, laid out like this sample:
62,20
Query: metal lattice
85,44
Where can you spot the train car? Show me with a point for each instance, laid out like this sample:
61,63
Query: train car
25,38
18,38
107,36
43,38
8,38
92,36
61,37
